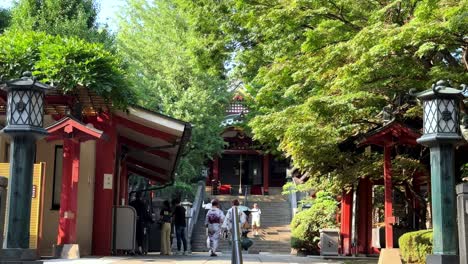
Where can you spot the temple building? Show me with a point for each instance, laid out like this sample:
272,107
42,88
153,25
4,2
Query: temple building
244,167
83,165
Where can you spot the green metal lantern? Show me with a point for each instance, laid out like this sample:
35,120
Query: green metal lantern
441,132
441,119
25,112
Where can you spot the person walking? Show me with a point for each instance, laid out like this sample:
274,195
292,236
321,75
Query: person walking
213,220
165,221
142,217
180,225
255,213
227,224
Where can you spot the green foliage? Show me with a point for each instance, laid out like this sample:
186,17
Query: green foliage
178,70
414,246
5,18
464,170
60,17
65,63
347,166
321,71
306,224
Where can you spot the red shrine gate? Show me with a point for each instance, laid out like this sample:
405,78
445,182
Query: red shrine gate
390,135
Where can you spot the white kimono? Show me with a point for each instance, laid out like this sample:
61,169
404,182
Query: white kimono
213,220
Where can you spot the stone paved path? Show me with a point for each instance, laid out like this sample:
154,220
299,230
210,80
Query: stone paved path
202,258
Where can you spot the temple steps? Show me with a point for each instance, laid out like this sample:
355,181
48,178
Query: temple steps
275,234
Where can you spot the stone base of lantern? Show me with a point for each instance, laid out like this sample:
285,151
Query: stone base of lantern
390,256
66,251
442,259
18,255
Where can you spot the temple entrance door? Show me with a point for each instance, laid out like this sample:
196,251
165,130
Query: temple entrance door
234,166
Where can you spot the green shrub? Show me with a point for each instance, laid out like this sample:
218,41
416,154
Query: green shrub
414,246
306,224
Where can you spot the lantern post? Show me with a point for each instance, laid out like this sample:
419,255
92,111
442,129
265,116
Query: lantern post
188,215
24,125
441,132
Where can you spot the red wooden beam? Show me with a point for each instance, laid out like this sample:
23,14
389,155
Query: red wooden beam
69,194
146,165
389,219
145,174
133,144
346,217
69,126
103,197
216,169
145,130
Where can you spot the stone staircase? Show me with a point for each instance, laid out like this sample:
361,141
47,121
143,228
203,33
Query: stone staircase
275,234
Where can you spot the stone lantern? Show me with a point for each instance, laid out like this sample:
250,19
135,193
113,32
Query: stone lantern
24,125
441,133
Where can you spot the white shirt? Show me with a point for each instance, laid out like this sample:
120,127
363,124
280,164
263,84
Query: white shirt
255,212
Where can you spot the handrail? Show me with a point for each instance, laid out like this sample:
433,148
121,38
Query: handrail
236,257
195,212
293,199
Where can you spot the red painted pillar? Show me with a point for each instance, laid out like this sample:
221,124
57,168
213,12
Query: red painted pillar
216,169
104,193
365,216
389,219
69,192
266,173
123,192
346,217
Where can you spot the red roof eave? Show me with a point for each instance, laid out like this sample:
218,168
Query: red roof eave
145,130
390,134
69,126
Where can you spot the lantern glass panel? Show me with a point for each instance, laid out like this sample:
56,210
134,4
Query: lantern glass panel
430,116
448,116
37,108
19,108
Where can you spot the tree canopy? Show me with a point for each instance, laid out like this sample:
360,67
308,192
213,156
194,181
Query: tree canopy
321,71
5,18
178,70
65,63
60,17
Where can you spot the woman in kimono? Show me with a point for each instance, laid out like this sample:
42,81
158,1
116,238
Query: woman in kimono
229,218
213,220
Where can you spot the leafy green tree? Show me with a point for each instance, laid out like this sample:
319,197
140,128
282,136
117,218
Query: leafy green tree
60,17
65,63
320,72
5,18
178,70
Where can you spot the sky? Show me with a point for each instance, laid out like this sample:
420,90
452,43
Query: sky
107,10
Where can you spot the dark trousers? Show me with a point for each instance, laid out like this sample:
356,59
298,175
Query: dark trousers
140,231
180,235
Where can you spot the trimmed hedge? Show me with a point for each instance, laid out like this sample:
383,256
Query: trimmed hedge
414,246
